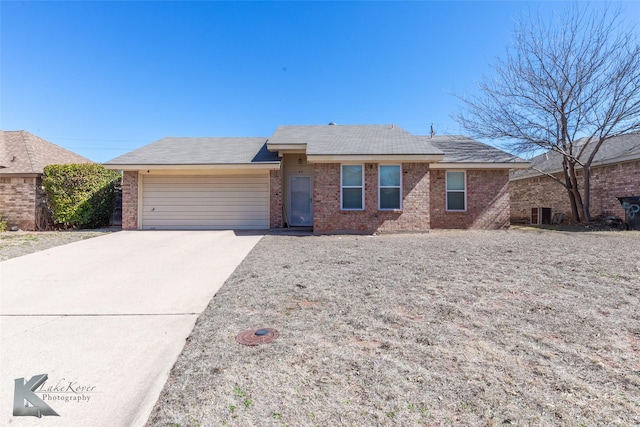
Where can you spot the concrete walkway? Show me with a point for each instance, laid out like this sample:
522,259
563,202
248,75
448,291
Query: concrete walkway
106,318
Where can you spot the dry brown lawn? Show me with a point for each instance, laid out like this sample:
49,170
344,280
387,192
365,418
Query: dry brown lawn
520,327
18,243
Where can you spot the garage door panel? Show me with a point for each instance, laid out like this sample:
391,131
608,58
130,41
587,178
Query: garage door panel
155,202
207,187
199,226
205,202
228,221
202,210
201,180
204,219
204,193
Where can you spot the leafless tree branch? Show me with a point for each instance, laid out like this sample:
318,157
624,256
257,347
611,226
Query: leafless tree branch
567,85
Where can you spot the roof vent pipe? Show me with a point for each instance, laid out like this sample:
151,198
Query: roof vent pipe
432,131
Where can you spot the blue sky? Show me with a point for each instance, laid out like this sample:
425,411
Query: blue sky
103,78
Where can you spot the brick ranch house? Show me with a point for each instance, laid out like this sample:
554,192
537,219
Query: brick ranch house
615,172
23,157
331,178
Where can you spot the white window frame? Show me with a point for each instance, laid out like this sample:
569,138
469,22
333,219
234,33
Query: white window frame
399,187
447,191
342,187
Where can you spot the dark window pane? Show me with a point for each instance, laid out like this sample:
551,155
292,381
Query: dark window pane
352,198
455,201
389,198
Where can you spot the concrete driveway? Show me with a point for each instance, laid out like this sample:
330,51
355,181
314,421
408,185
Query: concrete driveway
105,319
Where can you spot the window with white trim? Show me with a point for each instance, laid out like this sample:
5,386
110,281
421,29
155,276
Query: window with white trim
389,187
456,191
352,187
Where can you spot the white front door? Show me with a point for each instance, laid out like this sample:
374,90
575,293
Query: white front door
300,201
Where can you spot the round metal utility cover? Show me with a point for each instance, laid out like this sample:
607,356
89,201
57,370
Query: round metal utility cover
257,336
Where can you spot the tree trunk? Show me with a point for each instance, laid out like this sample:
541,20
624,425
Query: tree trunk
586,215
574,206
569,187
576,192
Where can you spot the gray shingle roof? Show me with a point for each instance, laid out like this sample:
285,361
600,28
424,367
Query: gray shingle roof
199,151
22,152
354,140
625,147
461,149
324,140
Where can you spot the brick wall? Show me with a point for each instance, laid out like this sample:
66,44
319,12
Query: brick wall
18,201
612,181
130,200
487,201
329,218
607,183
275,199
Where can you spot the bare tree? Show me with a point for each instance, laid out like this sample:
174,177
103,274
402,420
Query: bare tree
567,85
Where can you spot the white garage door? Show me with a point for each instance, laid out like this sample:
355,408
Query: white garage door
205,202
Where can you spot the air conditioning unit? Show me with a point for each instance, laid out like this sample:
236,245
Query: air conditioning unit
540,216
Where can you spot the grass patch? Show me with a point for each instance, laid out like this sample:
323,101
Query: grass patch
19,243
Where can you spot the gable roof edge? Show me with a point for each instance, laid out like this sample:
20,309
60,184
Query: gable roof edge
481,165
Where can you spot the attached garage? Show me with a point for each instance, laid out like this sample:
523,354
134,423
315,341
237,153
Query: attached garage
205,202
198,184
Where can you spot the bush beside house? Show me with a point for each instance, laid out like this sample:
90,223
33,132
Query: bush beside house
23,156
80,195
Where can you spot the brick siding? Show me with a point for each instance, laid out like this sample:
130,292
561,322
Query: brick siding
18,201
487,201
607,183
275,199
423,201
130,200
329,218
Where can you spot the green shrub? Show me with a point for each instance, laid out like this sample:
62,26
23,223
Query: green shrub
3,224
80,195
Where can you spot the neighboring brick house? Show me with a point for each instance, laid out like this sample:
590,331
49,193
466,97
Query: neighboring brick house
23,157
330,178
615,172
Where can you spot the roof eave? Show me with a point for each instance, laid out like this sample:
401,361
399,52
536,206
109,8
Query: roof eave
10,174
481,165
374,158
596,163
286,148
208,166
